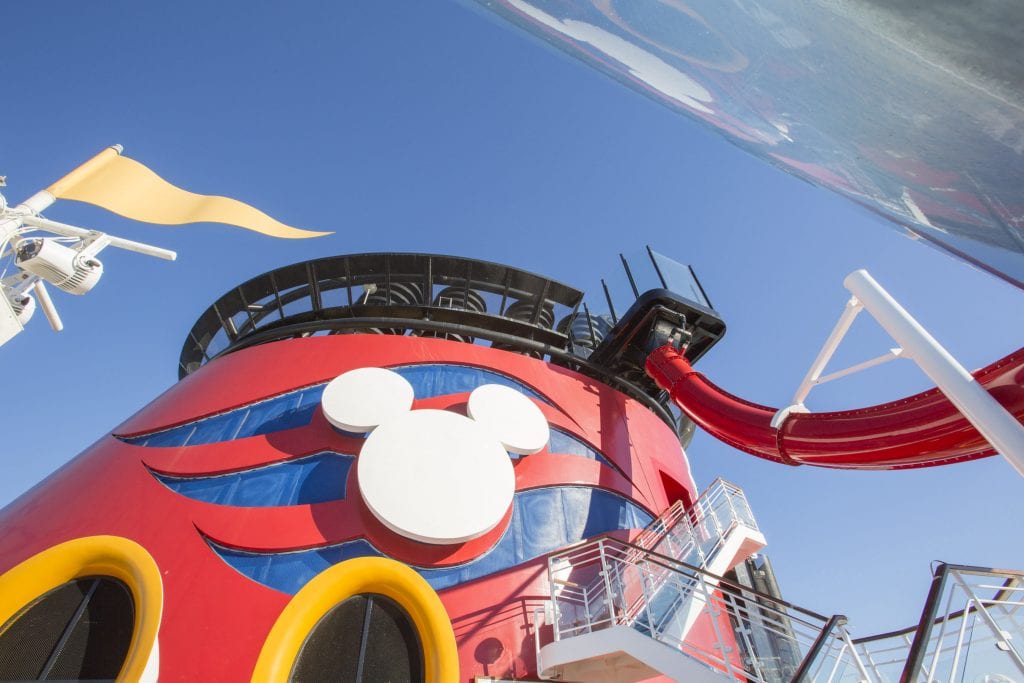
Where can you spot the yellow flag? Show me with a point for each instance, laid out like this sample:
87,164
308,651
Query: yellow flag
126,187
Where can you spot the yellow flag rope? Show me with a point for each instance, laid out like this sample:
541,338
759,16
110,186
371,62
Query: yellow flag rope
126,187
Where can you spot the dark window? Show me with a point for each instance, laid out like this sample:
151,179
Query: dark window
304,481
78,631
365,639
564,442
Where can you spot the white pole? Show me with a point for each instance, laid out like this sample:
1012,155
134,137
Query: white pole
74,231
998,426
853,307
46,303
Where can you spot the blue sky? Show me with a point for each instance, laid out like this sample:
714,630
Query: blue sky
428,126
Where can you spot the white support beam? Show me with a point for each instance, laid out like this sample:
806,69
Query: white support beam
812,378
999,427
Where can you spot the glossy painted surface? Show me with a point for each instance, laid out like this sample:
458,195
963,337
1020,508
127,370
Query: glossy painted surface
922,430
911,109
215,619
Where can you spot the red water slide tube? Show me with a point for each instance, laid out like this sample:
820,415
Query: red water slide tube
922,430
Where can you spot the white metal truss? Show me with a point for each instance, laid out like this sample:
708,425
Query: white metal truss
999,427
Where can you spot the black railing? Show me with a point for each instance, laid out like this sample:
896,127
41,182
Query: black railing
470,301
388,294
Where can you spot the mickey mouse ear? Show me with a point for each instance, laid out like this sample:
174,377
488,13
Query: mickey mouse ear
359,400
514,419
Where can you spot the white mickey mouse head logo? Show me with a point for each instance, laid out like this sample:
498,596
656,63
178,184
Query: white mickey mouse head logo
432,475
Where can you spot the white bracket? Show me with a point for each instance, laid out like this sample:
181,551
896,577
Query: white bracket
814,378
782,413
999,427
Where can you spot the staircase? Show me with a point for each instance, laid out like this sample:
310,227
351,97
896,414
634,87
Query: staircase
623,612
716,533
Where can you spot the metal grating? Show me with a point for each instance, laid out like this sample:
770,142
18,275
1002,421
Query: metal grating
365,639
80,630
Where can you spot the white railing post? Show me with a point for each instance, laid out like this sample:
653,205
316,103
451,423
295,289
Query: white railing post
554,598
609,597
716,628
864,676
868,655
586,609
997,633
744,627
732,506
538,618
644,575
999,427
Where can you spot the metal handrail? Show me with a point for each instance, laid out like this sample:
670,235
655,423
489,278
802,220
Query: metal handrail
930,617
654,585
637,585
663,598
666,526
942,635
673,564
907,630
705,507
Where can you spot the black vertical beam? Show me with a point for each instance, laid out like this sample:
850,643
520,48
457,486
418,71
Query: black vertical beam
277,295
608,298
629,274
348,280
227,324
428,282
504,291
541,298
245,303
924,626
696,279
314,287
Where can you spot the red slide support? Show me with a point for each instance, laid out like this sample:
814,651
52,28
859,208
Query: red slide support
922,430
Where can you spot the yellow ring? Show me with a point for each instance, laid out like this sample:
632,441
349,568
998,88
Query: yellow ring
111,556
362,575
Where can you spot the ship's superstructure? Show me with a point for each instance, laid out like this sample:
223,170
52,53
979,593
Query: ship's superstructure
241,514
426,468
413,467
